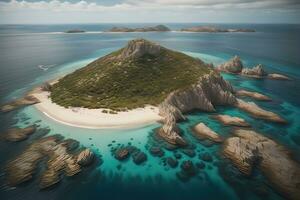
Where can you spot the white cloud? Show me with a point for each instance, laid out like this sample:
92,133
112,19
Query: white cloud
65,6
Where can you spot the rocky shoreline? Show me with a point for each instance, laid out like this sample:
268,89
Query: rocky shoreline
247,149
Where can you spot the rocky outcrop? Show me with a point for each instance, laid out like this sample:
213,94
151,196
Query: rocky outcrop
210,90
59,161
139,47
278,77
248,148
254,95
25,101
231,121
202,132
158,28
75,31
258,112
234,65
85,157
256,71
122,153
19,134
211,29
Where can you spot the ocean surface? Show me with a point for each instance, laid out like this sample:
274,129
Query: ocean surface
33,54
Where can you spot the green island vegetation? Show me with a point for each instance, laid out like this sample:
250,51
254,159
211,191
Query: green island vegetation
119,82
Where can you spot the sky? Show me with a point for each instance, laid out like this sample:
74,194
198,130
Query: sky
147,11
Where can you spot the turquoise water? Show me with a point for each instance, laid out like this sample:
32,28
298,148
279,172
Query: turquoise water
111,179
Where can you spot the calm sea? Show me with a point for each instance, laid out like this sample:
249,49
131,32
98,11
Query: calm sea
32,54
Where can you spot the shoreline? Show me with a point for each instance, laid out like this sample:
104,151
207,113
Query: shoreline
95,118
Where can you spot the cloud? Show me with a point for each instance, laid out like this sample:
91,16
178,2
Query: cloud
65,6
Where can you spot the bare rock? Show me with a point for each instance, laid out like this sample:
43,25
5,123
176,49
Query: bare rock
278,77
231,121
234,65
211,90
201,131
256,72
258,112
85,157
139,47
254,95
19,134
247,147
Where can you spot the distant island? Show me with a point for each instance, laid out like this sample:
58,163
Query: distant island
212,29
158,28
75,31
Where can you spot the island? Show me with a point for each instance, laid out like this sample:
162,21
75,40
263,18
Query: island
75,31
212,29
158,28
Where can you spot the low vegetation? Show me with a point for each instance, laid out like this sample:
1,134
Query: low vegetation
117,84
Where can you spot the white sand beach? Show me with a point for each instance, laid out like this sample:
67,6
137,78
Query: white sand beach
95,118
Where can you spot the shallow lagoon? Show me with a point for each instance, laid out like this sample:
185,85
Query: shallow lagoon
152,179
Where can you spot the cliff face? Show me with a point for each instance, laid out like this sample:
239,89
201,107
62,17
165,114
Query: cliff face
210,90
234,65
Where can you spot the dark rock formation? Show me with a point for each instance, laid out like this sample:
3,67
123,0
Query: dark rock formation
139,157
156,151
172,162
121,153
19,134
189,152
202,132
25,101
85,157
188,170
205,157
231,121
248,148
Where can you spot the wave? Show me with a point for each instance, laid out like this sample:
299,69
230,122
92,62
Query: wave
46,67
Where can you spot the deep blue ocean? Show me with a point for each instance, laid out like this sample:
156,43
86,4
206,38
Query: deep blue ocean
33,54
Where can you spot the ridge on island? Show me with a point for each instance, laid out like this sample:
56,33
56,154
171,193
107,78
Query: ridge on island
212,29
75,31
139,74
158,28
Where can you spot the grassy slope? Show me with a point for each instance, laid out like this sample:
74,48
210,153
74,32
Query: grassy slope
130,83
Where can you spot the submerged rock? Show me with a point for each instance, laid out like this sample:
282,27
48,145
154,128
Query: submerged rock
59,162
85,157
172,162
121,153
189,152
249,148
231,121
156,151
201,131
139,157
254,95
19,134
258,112
234,65
188,170
206,157
29,99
